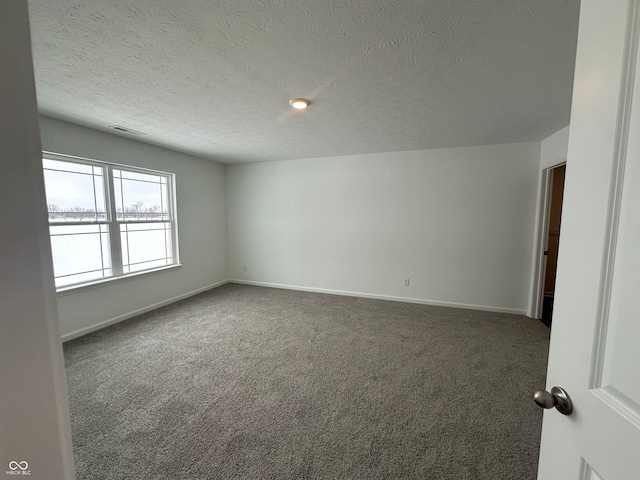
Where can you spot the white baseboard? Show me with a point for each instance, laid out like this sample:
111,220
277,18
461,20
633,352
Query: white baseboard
83,331
486,308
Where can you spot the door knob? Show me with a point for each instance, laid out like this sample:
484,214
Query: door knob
558,398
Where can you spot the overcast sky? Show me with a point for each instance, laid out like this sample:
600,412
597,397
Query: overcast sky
68,190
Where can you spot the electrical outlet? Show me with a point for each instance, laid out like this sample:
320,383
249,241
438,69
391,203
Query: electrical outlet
405,282
244,269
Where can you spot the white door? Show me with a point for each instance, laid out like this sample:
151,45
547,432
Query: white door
595,337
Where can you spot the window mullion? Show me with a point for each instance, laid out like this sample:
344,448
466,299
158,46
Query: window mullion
171,208
114,227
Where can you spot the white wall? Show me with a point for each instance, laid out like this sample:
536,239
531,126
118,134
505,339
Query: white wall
458,222
34,415
554,148
201,200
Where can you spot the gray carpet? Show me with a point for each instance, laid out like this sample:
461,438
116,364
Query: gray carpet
250,382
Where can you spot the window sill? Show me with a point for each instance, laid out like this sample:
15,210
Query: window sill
71,289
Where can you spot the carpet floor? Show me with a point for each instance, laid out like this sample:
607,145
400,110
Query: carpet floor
260,383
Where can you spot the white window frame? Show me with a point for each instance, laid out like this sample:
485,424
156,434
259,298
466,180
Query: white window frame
112,218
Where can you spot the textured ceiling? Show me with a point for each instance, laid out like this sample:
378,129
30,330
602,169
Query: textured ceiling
213,77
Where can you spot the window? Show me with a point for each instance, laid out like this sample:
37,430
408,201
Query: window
107,220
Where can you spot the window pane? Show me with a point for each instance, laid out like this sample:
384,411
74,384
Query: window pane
140,196
67,166
164,201
145,177
80,253
80,217
138,267
73,196
145,245
81,278
101,208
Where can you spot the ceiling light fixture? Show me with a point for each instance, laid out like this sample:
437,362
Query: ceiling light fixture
299,103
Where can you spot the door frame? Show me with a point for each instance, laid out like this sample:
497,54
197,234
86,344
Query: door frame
541,235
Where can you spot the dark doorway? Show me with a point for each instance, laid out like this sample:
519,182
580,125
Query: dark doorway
553,242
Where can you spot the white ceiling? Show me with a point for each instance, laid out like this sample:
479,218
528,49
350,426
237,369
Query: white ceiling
213,77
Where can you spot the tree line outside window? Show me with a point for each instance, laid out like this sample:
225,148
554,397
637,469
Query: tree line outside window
137,211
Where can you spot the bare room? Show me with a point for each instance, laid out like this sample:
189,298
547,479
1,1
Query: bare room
320,239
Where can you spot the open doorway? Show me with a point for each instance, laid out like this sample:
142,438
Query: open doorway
556,192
